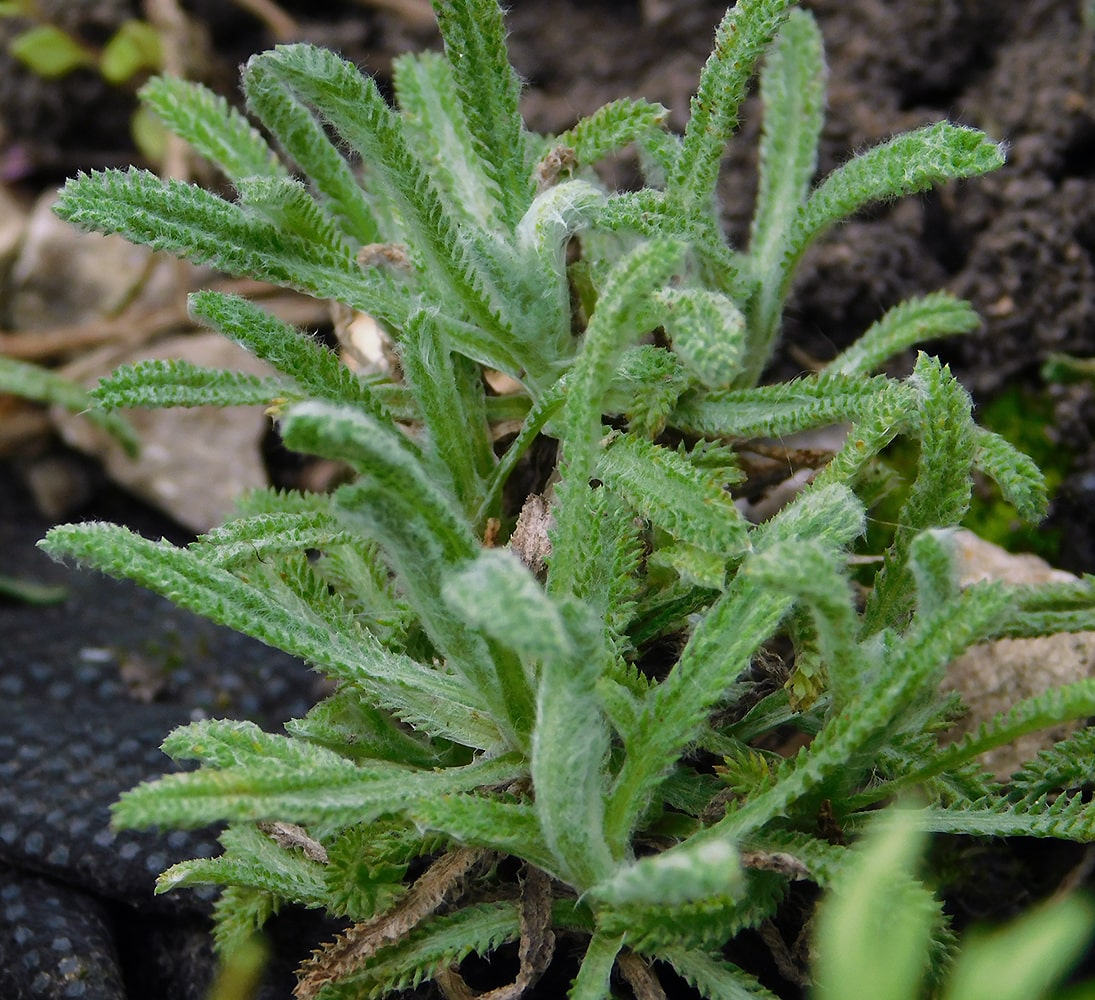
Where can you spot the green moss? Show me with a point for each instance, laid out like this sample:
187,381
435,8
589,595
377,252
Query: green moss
1022,416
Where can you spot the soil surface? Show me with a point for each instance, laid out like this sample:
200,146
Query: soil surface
1020,244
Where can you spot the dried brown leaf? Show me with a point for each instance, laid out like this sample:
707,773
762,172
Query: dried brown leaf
442,882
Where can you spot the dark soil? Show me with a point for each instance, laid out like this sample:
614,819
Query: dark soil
1020,244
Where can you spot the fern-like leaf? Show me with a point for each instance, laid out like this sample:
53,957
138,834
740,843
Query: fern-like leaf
664,487
353,106
1065,765
437,130
189,222
911,162
449,391
316,370
327,789
433,945
776,410
304,140
161,383
354,728
939,495
910,671
614,126
570,740
538,275
608,583
249,539
252,860
1021,481
701,924
623,301
809,570
397,504
475,45
713,650
708,334
366,865
719,649
418,693
1069,816
511,827
742,37
1051,708
237,914
792,87
215,129
713,976
926,317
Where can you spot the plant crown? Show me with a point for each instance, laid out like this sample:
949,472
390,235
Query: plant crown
560,701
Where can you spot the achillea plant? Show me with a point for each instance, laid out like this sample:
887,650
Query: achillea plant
517,701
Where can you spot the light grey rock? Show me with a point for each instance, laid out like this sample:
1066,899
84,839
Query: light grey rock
993,676
64,276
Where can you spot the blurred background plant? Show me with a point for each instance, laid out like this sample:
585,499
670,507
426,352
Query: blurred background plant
127,56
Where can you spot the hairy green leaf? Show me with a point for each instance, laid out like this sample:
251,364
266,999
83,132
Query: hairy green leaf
397,504
1067,764
1028,957
252,860
1051,708
1064,817
329,790
708,333
715,977
160,383
911,670
792,88
686,874
542,237
475,45
303,138
437,130
789,407
667,489
315,369
352,105
449,391
1021,482
185,220
592,981
622,303
600,352
939,495
926,317
614,126
214,128
909,163
429,698
741,39
875,925
237,914
433,945
479,821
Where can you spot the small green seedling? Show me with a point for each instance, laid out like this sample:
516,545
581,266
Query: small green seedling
50,51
